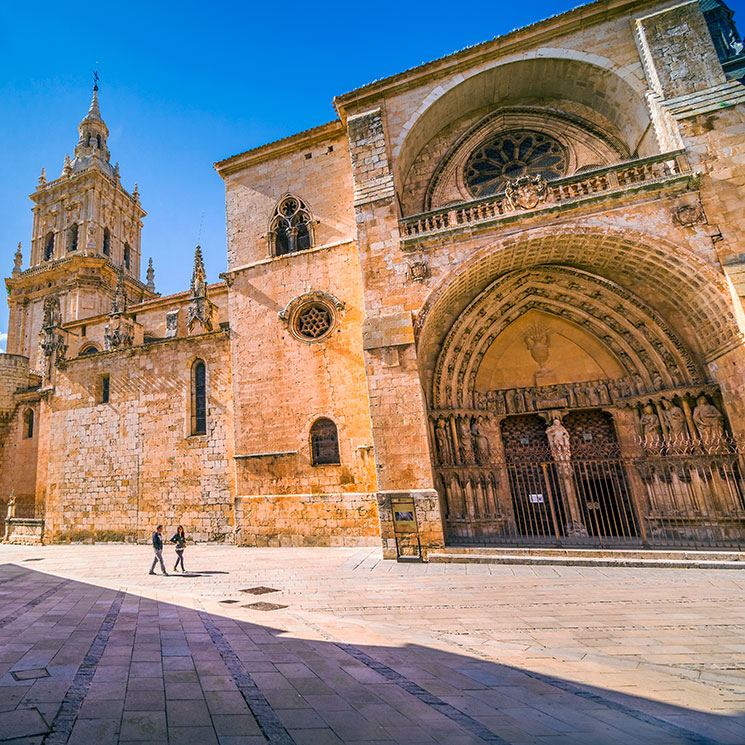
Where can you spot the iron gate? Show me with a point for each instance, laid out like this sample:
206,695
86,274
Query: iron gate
691,499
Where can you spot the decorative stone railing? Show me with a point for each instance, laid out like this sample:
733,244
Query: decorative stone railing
645,172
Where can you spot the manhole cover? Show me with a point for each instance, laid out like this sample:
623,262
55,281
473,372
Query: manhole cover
228,601
36,672
39,558
259,590
263,606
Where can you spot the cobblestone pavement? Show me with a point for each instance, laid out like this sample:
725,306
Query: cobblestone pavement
93,650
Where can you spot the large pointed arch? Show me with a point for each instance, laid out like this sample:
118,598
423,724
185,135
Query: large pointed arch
616,95
681,289
634,333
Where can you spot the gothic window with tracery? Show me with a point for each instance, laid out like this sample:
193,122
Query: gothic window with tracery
106,242
291,227
324,443
49,246
198,398
72,237
511,155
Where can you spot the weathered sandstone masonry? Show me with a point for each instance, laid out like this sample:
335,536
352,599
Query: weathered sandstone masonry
497,301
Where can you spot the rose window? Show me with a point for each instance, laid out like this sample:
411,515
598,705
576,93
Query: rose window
511,155
313,321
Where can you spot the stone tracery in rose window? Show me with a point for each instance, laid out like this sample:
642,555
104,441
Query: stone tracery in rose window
291,227
511,155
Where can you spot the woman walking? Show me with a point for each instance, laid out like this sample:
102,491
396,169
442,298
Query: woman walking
179,538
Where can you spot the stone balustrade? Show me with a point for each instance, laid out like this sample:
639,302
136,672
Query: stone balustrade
645,172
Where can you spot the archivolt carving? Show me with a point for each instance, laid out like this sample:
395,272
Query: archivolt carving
694,291
638,336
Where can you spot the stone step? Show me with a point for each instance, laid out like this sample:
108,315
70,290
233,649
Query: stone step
588,558
631,553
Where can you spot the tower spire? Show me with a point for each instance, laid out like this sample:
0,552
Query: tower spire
150,276
199,276
17,261
92,149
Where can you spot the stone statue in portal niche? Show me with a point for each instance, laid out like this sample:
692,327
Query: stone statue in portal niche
480,443
444,449
651,428
675,419
558,440
466,441
708,419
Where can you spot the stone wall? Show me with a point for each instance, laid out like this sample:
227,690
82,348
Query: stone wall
117,469
18,453
342,519
314,167
281,384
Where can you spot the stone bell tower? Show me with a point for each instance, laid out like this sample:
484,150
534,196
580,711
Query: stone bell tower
86,231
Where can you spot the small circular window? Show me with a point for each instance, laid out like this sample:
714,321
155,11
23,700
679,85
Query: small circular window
313,321
510,156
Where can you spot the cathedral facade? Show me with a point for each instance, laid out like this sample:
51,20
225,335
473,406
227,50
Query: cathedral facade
498,300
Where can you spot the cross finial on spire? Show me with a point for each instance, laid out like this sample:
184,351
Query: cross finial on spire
95,78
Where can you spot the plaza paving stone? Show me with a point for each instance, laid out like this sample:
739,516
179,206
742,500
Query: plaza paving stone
95,650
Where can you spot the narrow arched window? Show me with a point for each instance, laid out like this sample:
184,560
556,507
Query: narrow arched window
291,227
324,443
28,424
98,142
72,237
106,242
127,256
198,398
49,247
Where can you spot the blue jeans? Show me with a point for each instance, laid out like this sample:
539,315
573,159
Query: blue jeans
158,558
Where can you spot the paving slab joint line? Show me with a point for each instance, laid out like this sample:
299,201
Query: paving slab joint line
269,723
414,689
31,604
461,718
81,683
578,690
451,712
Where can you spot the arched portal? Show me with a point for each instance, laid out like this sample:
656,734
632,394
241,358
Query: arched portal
567,408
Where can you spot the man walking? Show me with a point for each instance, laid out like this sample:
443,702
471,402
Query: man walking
158,548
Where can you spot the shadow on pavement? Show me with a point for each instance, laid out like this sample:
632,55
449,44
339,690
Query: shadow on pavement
106,666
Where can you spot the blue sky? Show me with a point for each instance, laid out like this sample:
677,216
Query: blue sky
184,85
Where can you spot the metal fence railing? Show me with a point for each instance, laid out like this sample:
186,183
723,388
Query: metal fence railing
688,497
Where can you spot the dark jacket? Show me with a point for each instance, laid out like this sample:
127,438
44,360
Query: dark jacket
157,540
179,540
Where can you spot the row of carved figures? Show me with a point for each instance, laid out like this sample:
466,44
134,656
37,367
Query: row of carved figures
680,420
461,440
576,395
